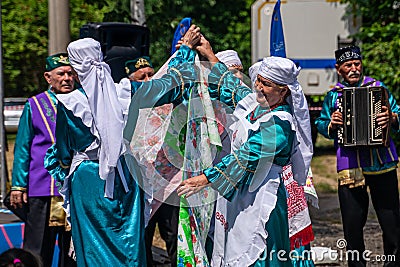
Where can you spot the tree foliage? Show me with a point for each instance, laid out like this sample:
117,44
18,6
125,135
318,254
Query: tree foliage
25,31
380,40
25,38
225,23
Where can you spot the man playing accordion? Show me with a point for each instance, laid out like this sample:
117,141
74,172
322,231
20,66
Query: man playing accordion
362,167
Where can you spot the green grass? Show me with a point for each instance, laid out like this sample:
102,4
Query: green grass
323,187
324,166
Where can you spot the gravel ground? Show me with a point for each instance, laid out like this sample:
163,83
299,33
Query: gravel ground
328,231
326,220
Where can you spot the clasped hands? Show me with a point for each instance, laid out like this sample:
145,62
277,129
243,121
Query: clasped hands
195,40
381,118
192,185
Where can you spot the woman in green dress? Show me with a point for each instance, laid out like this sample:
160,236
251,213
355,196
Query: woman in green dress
251,222
102,195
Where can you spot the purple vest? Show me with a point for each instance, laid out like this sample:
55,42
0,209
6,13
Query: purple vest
347,157
44,125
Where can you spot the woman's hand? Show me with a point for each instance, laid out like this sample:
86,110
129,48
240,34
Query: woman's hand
204,48
178,44
191,37
192,185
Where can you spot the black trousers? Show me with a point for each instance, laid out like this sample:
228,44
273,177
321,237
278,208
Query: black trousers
40,238
354,204
167,217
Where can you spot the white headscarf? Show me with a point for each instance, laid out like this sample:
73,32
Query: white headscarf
229,58
95,77
283,71
253,71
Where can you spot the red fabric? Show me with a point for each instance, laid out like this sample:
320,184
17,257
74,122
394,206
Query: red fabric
302,238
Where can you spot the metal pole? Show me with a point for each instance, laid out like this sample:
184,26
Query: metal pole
137,12
3,162
59,34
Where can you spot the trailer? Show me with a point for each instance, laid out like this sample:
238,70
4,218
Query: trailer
313,30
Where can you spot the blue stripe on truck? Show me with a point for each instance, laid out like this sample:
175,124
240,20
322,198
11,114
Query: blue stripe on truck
314,63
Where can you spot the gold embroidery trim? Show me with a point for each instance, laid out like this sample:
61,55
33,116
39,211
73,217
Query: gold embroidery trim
220,81
63,166
44,119
241,165
351,177
51,102
18,188
182,82
382,171
57,215
233,96
142,62
226,177
50,133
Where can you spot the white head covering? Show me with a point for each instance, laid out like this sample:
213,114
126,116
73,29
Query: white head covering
283,71
229,58
279,70
253,71
95,77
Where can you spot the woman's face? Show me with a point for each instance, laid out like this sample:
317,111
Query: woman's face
269,93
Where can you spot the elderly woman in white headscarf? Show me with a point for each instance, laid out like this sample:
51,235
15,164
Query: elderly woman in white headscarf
103,198
251,226
231,59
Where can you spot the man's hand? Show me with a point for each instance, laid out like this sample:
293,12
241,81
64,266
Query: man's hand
192,185
16,198
383,118
336,119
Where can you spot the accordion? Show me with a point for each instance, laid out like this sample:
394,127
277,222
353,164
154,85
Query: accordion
359,107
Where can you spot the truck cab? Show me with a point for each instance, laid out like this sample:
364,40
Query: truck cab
313,30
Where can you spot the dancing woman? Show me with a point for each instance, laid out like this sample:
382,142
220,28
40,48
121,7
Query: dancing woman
251,226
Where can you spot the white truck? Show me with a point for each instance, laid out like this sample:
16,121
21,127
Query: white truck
313,30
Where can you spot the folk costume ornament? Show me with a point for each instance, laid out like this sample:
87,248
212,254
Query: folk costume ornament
137,63
271,108
57,60
347,53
